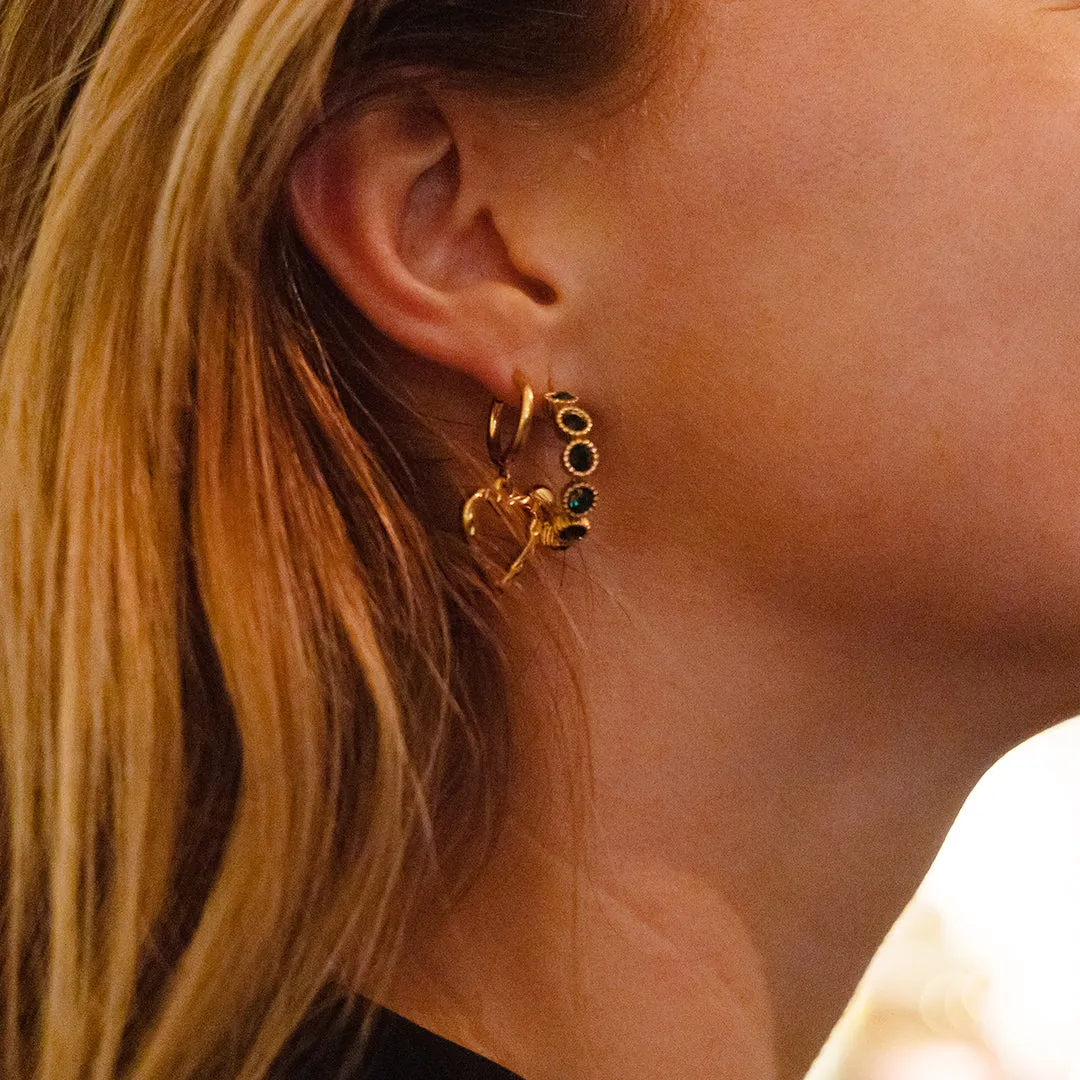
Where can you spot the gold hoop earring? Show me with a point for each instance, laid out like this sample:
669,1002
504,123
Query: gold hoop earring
550,522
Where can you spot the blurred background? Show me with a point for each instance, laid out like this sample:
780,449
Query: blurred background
980,979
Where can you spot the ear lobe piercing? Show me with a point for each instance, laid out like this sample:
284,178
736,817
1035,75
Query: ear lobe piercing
552,522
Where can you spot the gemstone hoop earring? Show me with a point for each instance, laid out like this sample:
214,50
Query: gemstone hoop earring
552,522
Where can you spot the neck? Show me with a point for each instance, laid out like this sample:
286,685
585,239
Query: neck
761,802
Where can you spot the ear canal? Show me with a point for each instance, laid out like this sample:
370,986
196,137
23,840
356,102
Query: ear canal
483,256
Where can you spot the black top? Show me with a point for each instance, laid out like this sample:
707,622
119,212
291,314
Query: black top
325,1049
403,1051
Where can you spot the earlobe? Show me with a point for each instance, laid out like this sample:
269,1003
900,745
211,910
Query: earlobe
382,200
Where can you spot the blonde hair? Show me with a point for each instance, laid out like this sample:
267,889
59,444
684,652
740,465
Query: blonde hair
249,676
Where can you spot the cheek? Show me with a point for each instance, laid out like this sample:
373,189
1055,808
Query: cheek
875,342
898,504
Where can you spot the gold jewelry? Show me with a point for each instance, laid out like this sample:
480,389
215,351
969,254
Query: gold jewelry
551,522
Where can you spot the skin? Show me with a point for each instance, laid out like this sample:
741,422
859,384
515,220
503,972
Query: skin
818,288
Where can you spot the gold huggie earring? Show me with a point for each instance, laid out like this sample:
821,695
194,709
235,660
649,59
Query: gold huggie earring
553,523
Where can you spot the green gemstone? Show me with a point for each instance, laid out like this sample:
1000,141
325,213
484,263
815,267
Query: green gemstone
570,533
580,500
574,420
580,457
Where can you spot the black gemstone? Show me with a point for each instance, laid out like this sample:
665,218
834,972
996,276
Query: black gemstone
562,395
573,420
573,532
580,457
580,500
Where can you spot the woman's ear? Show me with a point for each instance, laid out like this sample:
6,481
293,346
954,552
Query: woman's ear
395,208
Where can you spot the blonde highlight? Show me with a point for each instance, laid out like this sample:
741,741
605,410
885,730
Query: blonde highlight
249,678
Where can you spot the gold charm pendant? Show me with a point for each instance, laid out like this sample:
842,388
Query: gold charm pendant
551,522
